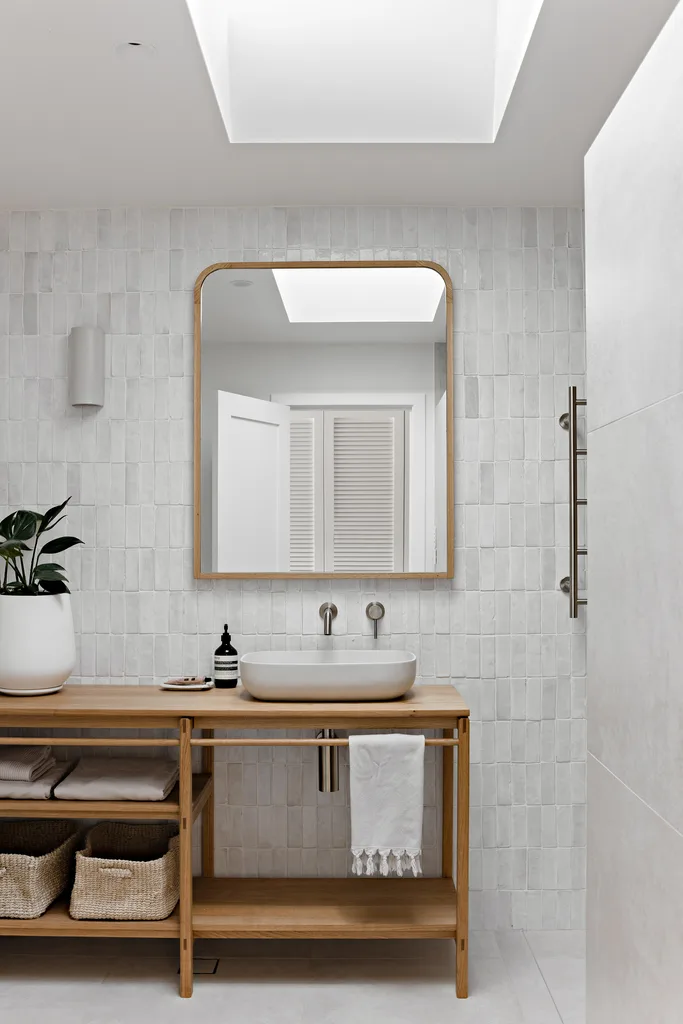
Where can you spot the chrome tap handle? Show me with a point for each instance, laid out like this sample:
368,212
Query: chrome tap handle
375,611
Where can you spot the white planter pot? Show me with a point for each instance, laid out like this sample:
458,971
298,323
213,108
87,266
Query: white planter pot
37,647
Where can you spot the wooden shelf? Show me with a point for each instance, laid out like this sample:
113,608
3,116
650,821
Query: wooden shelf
56,921
202,788
282,908
108,810
330,908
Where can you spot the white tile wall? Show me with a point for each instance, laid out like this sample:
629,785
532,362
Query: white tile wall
499,631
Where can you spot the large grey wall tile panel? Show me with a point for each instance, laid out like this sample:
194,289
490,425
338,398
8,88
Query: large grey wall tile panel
634,212
634,253
635,702
635,924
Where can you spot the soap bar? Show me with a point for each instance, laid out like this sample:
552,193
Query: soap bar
189,681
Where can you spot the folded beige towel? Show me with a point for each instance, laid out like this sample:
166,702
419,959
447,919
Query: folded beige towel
113,778
24,764
39,789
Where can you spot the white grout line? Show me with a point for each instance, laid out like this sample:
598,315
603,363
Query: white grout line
540,971
634,412
636,795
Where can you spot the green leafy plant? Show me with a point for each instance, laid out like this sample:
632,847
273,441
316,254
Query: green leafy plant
37,577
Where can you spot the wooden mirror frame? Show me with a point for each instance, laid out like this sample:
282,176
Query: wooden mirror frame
450,455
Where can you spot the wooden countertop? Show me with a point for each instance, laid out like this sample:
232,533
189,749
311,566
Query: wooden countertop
135,707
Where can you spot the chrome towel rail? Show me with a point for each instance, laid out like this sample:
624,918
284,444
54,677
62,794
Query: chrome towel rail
570,584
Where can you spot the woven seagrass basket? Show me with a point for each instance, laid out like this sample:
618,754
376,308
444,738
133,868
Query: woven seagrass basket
36,858
127,873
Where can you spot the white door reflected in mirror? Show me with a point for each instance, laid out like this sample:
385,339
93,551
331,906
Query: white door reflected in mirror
323,437
250,485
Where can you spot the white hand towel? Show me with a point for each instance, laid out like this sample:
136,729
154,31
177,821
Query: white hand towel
25,764
387,795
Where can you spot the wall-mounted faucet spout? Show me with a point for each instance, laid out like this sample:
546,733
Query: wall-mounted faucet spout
327,613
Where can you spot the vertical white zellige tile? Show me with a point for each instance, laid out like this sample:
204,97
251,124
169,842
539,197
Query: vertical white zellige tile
133,271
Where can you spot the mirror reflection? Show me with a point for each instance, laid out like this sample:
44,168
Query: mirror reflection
323,413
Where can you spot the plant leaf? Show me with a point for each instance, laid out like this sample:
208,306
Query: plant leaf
52,525
12,548
5,525
50,565
58,544
54,587
22,525
42,573
52,514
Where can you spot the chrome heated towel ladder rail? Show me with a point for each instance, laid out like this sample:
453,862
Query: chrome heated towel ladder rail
570,584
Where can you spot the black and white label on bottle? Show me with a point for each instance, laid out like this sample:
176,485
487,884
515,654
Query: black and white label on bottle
225,668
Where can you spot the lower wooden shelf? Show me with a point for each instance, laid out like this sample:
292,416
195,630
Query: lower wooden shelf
287,908
282,908
56,921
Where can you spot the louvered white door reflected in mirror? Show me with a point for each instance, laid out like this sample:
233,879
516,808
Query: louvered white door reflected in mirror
347,490
323,420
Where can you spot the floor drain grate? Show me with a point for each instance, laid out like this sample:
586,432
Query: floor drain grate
204,965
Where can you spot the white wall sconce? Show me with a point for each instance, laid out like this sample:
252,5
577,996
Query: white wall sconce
86,366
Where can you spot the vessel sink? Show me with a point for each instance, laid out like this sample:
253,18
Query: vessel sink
328,675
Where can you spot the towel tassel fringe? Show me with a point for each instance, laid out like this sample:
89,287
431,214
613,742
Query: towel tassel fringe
398,861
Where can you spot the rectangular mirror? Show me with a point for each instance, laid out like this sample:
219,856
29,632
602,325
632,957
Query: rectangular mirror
323,420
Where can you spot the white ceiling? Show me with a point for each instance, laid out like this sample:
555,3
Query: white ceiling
82,126
257,315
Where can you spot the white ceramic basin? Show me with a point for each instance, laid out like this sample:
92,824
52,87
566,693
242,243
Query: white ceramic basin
328,675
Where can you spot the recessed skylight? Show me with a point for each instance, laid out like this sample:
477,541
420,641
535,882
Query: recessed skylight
360,295
363,70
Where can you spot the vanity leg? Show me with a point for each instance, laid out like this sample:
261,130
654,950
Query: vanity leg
185,785
462,858
208,814
447,809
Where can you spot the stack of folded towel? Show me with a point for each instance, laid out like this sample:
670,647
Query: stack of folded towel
29,773
119,778
25,764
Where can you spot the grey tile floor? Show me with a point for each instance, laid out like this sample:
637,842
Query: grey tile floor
515,978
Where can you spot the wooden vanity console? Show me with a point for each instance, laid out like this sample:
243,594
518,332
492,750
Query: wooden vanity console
209,907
